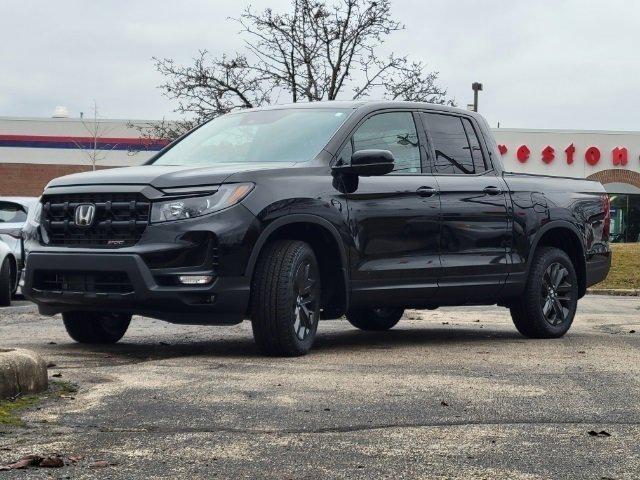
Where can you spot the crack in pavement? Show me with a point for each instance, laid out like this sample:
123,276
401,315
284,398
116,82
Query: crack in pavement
354,428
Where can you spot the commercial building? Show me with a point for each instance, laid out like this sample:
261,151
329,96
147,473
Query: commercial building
35,150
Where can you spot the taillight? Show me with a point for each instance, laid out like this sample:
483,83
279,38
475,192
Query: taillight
606,227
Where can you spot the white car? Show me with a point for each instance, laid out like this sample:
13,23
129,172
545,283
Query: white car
13,215
8,274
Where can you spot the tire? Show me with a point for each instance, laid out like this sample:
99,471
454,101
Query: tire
374,318
548,305
96,327
6,283
285,299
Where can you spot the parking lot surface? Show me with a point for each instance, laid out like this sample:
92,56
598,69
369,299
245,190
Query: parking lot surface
453,393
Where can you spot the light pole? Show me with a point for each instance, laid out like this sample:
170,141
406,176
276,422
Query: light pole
477,87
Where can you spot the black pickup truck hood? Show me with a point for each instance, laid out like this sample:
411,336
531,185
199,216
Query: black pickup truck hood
162,176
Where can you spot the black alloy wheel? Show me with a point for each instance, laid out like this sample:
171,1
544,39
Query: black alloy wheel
307,302
377,319
548,304
96,327
555,294
286,298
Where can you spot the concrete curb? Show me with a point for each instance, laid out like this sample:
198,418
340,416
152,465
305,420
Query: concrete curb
621,292
21,372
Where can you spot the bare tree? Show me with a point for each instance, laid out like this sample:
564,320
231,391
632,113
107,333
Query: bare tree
316,51
96,130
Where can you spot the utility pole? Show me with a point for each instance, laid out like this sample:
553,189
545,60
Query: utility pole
477,87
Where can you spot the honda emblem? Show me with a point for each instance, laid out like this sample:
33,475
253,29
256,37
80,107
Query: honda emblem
85,214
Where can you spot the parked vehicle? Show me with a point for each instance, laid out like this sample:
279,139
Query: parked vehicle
13,215
289,214
8,274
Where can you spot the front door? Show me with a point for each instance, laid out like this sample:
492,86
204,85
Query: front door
474,224
393,218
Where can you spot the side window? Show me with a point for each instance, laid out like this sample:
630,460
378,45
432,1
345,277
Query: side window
345,154
395,132
476,150
450,142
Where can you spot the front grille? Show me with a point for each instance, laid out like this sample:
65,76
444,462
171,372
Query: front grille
120,219
85,282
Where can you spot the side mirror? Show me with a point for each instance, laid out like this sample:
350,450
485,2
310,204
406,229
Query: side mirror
368,163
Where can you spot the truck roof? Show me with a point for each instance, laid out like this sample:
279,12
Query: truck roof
363,105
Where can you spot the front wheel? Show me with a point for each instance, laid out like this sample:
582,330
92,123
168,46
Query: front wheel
285,299
548,304
6,283
96,327
374,318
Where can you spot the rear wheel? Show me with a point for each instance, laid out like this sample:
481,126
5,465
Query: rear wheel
96,327
548,304
285,299
6,283
374,318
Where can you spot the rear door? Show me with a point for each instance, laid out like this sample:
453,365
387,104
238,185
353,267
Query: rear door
474,223
393,218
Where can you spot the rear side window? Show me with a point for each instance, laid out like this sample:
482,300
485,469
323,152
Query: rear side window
456,145
474,143
12,213
396,132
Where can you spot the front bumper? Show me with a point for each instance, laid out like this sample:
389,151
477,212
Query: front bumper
224,301
219,245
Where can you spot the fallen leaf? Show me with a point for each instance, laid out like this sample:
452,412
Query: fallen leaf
52,462
57,375
24,462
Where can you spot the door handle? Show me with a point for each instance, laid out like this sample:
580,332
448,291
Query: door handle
426,191
491,190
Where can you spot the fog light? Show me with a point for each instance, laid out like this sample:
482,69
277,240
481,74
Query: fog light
195,279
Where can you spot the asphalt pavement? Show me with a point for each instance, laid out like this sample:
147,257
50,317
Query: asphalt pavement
452,393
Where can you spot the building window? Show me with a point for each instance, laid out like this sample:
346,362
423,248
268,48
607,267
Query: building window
625,218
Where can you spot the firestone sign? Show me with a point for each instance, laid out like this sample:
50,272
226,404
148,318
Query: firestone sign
619,156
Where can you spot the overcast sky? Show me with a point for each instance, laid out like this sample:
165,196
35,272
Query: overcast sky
543,63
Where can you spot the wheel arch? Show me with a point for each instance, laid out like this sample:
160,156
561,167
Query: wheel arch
327,244
565,236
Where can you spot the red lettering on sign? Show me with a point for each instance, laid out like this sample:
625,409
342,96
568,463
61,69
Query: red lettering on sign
570,150
548,154
503,149
592,156
523,153
620,156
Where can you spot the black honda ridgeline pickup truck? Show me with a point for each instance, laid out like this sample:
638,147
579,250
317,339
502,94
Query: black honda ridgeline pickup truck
289,214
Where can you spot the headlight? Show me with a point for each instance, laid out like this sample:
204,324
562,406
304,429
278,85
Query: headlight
182,208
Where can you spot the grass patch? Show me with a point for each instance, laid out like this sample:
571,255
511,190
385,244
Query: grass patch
10,410
625,267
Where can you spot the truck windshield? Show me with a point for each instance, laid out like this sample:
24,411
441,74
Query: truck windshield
287,135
